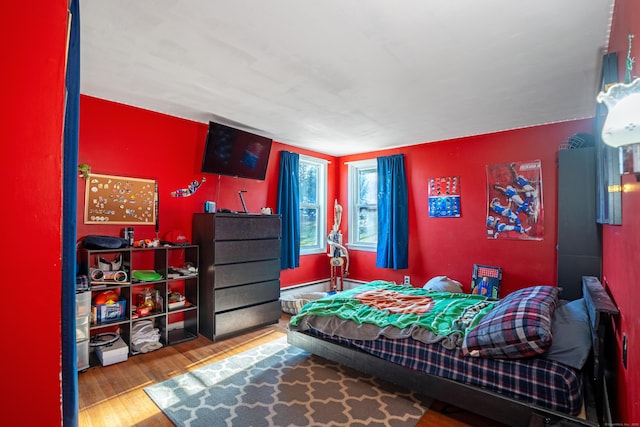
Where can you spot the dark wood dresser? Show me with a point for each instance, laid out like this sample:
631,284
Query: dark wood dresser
239,272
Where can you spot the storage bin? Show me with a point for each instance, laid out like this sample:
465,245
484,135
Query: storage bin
82,350
102,313
112,353
83,304
82,328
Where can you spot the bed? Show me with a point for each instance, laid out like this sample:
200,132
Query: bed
512,360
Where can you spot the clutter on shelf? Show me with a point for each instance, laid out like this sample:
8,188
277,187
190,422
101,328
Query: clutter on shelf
175,300
144,337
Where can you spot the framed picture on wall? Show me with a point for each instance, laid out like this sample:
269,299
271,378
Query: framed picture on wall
120,200
444,197
514,201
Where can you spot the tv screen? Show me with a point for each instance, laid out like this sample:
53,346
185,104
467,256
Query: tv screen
234,152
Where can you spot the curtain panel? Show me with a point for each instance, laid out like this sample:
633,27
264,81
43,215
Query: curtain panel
393,213
289,209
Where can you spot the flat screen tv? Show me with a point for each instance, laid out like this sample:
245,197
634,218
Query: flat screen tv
234,152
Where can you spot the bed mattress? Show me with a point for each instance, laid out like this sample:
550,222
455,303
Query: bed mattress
534,380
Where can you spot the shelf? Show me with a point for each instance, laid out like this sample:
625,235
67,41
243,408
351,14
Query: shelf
162,260
93,326
180,335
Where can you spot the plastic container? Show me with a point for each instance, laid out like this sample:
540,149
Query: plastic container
83,304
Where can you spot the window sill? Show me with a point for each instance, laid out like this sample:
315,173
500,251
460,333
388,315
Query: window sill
361,247
312,251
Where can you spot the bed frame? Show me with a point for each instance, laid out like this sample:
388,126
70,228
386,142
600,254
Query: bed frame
483,402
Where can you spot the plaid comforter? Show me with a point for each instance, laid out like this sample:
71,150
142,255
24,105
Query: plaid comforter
537,381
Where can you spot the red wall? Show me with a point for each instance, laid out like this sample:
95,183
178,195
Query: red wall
450,246
123,140
31,174
621,249
133,142
117,139
621,244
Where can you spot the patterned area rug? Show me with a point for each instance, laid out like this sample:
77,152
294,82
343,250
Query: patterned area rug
280,385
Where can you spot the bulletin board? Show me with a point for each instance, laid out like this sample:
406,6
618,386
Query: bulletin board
120,200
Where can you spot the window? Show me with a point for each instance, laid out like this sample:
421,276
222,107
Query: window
363,205
312,177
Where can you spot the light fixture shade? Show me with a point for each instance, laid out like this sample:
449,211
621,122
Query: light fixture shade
622,125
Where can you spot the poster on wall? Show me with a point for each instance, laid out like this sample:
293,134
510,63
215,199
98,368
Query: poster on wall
119,200
444,197
514,201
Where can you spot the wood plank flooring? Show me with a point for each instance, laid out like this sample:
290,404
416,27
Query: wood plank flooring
113,395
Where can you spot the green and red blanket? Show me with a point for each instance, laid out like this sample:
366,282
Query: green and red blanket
395,311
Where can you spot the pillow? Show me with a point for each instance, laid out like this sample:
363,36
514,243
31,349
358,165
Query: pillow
443,284
104,242
571,334
518,326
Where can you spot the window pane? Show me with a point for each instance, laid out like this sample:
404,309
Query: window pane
368,225
312,175
308,179
363,204
368,184
308,227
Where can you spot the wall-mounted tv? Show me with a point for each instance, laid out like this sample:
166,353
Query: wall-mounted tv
234,152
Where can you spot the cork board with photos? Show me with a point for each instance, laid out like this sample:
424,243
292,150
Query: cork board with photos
113,199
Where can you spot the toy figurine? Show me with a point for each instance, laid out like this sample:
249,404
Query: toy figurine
192,188
337,252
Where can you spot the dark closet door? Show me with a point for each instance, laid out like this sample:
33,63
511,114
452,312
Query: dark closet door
579,236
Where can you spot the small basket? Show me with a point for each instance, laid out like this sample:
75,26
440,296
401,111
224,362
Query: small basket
292,304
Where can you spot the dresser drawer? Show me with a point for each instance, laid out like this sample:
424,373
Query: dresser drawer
239,227
234,251
246,272
238,320
246,295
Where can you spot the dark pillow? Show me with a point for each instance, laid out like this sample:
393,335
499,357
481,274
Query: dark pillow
518,326
571,334
104,242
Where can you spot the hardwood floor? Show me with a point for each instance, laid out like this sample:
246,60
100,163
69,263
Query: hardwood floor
113,395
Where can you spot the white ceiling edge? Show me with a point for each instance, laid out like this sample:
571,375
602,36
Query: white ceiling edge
345,77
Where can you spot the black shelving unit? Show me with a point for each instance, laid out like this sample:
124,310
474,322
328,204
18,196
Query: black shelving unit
174,324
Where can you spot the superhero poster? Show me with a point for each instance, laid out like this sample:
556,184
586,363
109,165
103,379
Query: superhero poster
514,201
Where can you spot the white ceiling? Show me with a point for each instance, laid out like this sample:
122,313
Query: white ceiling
348,76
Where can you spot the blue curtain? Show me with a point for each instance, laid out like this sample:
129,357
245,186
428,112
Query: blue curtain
69,203
289,209
393,213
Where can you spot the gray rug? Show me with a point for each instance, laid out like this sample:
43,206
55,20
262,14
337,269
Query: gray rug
280,385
